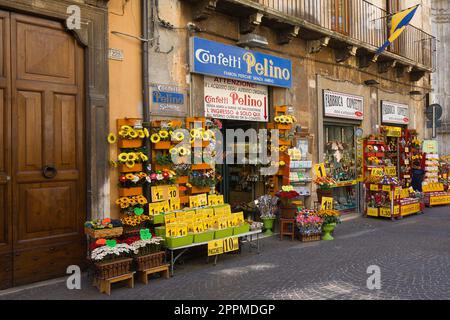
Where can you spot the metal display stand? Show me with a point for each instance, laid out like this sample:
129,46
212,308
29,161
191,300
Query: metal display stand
174,257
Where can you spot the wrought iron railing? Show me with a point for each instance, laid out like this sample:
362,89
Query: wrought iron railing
360,20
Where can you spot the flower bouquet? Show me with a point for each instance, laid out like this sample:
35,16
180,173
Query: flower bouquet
162,177
309,225
267,206
286,195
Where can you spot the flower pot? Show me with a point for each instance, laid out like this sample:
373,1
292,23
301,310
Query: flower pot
241,229
128,192
149,261
162,145
196,190
160,231
180,241
204,237
112,269
268,225
182,179
224,233
130,143
136,168
327,229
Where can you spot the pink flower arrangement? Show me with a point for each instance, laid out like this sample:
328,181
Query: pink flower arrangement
308,222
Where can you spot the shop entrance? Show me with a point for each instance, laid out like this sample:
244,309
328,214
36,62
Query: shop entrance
241,182
42,161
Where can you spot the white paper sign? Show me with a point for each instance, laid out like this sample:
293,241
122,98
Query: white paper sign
394,113
341,105
236,100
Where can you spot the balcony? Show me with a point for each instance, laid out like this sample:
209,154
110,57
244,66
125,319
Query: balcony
356,25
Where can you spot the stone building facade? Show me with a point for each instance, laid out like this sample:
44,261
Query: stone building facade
440,80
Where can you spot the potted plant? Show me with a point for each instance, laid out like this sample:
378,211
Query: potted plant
147,251
111,259
309,225
331,218
286,195
267,206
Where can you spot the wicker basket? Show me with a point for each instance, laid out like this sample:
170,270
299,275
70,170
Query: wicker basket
104,233
150,261
310,237
106,270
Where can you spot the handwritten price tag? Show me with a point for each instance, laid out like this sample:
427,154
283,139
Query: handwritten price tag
327,203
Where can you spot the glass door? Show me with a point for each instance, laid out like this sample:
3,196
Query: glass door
340,12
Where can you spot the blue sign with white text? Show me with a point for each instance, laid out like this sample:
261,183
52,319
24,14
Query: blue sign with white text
217,59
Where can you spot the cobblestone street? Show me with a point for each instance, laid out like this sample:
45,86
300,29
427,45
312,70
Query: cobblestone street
413,254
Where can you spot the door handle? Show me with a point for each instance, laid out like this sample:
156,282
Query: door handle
5,178
49,172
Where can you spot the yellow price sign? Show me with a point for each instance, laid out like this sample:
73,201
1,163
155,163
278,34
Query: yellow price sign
319,170
222,222
202,199
154,208
220,199
175,204
173,192
377,172
169,218
327,203
374,187
239,218
171,230
212,200
159,193
198,227
386,188
390,171
181,229
220,246
193,202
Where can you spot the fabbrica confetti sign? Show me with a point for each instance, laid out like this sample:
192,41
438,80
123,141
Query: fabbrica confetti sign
217,59
340,105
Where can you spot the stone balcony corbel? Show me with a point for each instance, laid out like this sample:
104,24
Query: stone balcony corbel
314,46
285,36
250,23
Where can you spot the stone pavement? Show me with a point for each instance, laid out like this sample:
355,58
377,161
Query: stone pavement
413,255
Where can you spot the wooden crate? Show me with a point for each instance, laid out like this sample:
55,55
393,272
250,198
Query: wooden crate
129,144
310,237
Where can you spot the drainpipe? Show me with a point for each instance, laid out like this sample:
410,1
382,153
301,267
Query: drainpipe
145,75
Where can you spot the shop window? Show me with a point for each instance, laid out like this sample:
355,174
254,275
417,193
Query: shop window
340,155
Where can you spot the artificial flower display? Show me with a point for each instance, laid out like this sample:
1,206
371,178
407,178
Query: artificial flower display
161,177
131,158
147,246
128,132
130,180
106,223
308,222
134,220
267,206
285,119
127,202
330,216
202,179
108,253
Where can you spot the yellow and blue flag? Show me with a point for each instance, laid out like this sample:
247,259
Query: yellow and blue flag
398,24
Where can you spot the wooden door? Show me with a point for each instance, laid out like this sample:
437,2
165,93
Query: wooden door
5,154
45,205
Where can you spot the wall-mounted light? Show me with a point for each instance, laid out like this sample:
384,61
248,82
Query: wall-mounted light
415,93
252,40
